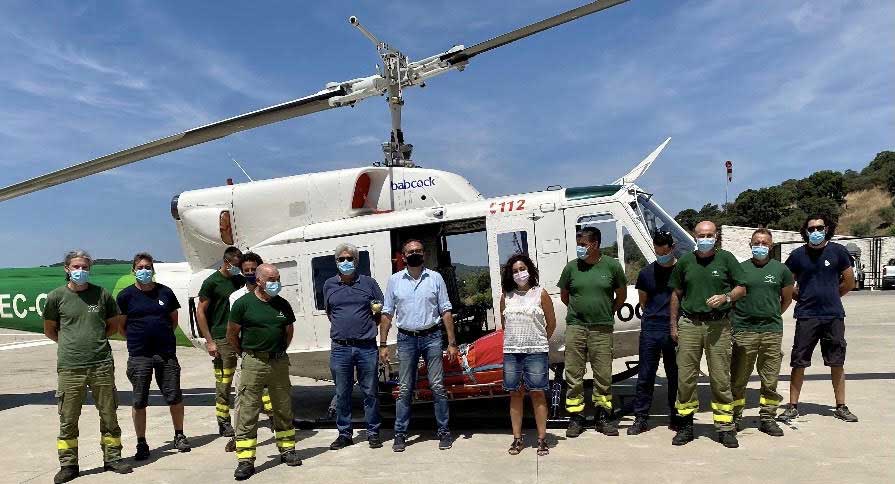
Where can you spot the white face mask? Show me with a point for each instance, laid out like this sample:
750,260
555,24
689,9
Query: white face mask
521,277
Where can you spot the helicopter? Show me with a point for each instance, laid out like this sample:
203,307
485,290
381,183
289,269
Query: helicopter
295,222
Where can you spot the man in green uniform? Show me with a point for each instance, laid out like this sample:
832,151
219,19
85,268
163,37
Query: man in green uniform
212,315
593,287
758,331
704,283
80,317
261,329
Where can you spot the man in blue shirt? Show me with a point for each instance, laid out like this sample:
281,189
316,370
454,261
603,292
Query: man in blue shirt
823,274
417,300
655,335
353,304
150,310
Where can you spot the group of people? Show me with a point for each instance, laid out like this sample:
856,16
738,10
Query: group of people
705,301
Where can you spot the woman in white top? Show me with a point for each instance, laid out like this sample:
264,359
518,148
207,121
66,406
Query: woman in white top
528,323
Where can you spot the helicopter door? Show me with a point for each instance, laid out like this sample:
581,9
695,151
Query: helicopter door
507,235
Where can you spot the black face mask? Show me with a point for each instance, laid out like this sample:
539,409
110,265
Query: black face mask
414,260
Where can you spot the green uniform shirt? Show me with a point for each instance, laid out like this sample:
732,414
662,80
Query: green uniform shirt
701,279
759,311
217,288
82,319
592,290
263,324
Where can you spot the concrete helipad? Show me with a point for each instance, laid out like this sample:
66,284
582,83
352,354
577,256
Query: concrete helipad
816,448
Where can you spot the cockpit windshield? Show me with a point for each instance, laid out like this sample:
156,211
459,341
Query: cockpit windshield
656,219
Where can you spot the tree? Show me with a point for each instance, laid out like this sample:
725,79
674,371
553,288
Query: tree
890,182
887,214
821,205
861,229
792,221
762,207
825,183
687,218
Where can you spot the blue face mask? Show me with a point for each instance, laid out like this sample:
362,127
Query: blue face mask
233,270
581,251
816,238
664,259
705,245
250,278
272,288
760,252
79,276
346,267
144,276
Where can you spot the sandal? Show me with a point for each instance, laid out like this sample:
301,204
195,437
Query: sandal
543,449
516,446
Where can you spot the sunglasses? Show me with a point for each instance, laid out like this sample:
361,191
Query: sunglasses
414,251
345,259
817,228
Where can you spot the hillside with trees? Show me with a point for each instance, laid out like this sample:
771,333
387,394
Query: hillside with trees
861,201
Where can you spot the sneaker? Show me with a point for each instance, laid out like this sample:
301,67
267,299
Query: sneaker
183,445
400,443
290,458
244,470
771,428
142,451
341,442
374,441
231,445
445,442
225,429
729,439
684,434
65,474
639,426
791,413
843,413
576,426
118,467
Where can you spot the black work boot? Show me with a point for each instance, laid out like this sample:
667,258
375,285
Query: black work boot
684,433
290,458
225,428
118,467
770,427
65,474
729,439
639,426
244,470
674,422
738,423
576,426
604,424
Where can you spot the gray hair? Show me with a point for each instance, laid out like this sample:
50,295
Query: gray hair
78,254
350,248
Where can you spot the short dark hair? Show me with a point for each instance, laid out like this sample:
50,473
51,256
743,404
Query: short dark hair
829,223
251,257
663,239
142,256
410,241
231,253
591,233
506,280
762,231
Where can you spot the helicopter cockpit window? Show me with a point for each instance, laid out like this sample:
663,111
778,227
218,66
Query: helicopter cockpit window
324,267
656,219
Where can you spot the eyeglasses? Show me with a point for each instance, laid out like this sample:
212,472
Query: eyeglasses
345,259
817,228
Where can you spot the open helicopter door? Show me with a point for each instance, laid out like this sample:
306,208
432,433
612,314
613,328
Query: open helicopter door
507,235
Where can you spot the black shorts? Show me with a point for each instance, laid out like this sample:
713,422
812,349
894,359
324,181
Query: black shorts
167,377
830,333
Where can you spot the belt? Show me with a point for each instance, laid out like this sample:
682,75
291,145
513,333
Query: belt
355,342
709,316
268,355
422,332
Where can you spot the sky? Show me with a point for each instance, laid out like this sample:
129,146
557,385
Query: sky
781,88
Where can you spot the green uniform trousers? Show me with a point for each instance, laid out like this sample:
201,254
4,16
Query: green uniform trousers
713,337
73,383
751,348
260,370
224,369
583,344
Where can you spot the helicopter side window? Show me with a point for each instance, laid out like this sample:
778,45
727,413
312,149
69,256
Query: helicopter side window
324,267
656,219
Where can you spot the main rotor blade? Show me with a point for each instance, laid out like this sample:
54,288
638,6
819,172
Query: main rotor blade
280,112
521,33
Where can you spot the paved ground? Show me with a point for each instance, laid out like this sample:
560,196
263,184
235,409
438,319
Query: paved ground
816,448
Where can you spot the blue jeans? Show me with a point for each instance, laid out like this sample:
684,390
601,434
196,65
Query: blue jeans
655,344
343,360
410,348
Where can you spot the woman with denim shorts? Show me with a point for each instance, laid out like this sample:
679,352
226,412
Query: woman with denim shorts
528,323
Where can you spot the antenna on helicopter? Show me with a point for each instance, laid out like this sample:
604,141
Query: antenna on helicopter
394,62
244,172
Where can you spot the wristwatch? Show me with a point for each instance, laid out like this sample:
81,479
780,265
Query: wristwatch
727,297
453,344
